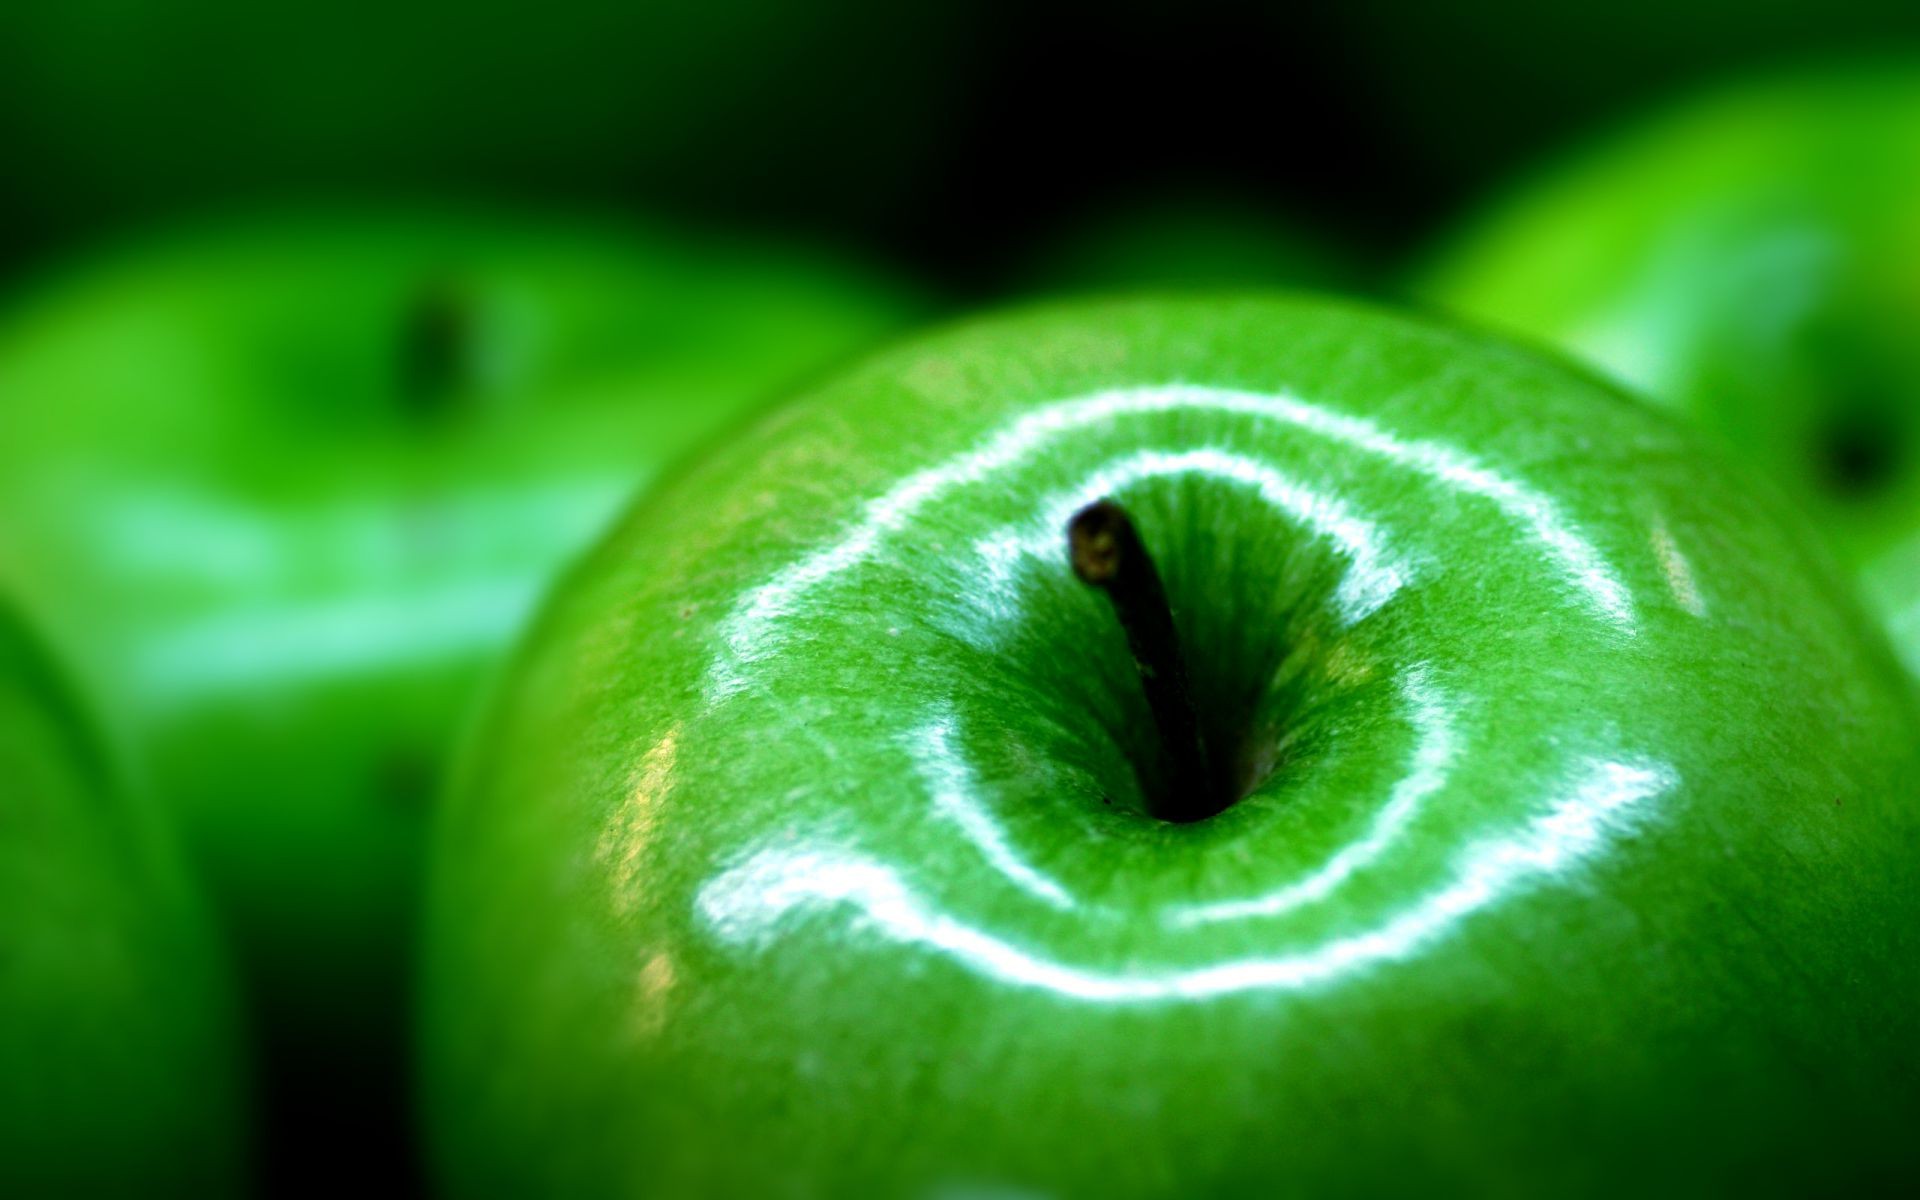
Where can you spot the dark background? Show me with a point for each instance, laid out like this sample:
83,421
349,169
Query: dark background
951,138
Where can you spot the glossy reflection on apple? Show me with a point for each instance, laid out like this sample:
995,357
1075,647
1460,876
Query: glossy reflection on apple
1566,832
1751,260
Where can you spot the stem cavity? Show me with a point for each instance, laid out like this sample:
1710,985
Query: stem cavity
436,349
1106,553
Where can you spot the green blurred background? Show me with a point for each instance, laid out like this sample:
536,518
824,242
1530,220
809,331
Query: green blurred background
332,332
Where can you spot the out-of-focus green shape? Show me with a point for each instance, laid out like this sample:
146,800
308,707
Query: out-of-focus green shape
1183,241
1751,260
285,491
1471,86
828,107
120,1046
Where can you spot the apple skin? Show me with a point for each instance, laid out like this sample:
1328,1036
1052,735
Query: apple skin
806,856
118,1022
287,571
1751,260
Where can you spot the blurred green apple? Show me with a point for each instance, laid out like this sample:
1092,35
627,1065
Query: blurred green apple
1566,838
120,1041
284,491
1751,260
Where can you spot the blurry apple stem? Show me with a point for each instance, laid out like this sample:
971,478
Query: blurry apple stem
433,348
1107,553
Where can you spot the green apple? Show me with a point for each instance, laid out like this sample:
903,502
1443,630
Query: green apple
119,1032
1751,260
283,492
1565,842
1180,241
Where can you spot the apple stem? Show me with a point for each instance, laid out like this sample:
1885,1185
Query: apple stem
1106,553
433,348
